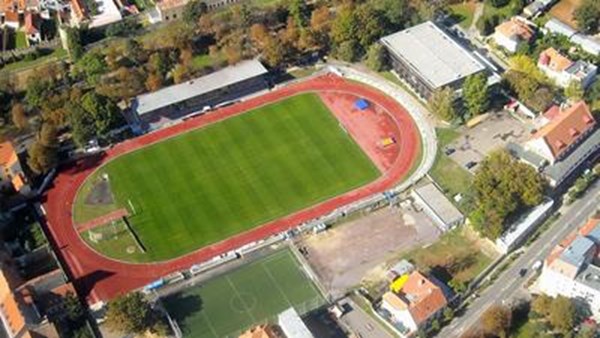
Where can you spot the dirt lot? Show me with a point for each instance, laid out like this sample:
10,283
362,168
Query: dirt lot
564,10
349,252
476,143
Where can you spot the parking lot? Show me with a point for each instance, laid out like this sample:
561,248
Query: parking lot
347,253
476,143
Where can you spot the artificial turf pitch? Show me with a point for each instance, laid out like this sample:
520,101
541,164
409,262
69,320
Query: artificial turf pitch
211,183
253,294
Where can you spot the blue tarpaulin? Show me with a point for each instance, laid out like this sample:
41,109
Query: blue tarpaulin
361,104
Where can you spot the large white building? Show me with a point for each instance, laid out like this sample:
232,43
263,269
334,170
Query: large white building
572,269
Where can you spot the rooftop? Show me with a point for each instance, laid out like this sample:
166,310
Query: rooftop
515,29
587,43
168,4
590,276
559,27
555,61
524,224
180,92
7,154
567,128
436,200
432,53
576,253
292,325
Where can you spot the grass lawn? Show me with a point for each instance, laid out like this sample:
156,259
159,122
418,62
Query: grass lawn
115,240
463,13
20,40
209,184
453,257
453,178
255,293
56,55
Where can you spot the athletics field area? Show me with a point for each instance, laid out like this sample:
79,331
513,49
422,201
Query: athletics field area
205,185
187,193
255,293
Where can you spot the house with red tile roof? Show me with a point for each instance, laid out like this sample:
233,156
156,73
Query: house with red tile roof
513,32
563,71
566,138
12,176
30,28
572,269
416,304
564,131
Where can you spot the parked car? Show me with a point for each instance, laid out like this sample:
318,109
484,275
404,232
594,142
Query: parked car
537,265
449,151
522,272
470,164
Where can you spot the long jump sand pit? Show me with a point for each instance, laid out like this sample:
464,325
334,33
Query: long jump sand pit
345,254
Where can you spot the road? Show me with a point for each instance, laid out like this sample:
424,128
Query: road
509,285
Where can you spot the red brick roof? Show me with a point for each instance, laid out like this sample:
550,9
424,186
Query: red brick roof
424,297
566,128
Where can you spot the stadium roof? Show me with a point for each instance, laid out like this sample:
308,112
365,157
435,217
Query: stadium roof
244,70
433,54
559,27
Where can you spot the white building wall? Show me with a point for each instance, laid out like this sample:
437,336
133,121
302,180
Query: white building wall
553,284
540,147
506,42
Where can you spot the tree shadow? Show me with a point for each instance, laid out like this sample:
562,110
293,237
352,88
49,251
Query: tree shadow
182,306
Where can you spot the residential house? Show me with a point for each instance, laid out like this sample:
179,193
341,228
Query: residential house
169,10
567,137
11,20
12,176
262,331
510,34
564,71
416,303
572,268
31,29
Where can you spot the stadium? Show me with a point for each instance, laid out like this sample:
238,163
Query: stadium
181,195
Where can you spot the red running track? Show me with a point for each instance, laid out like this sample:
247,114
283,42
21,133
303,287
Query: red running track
97,277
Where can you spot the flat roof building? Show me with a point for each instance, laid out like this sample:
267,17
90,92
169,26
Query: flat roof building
428,58
437,206
176,101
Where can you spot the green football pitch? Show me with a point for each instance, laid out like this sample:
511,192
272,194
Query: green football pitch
211,183
253,294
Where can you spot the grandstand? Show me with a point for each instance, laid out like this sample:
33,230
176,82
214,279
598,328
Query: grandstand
152,110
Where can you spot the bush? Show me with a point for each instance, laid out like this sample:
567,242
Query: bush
498,3
487,24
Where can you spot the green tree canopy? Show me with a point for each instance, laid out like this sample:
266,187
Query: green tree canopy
376,57
193,10
503,186
497,320
476,93
93,117
562,314
587,16
129,313
441,103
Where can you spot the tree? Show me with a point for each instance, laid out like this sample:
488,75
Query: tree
498,3
562,314
92,66
522,84
542,304
193,10
154,82
372,24
180,73
587,16
320,25
123,28
19,116
448,314
376,57
74,43
72,306
497,320
130,313
94,117
541,99
501,187
435,325
574,91
441,103
37,90
41,158
344,27
476,93
396,12
298,10
348,51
